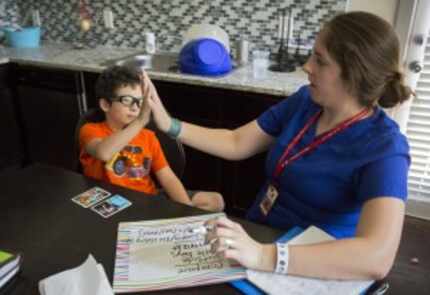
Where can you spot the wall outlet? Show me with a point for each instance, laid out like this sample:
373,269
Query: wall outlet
108,18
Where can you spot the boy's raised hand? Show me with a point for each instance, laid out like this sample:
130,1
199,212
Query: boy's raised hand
160,115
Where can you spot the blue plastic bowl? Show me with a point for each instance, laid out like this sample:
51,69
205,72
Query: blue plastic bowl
206,57
28,37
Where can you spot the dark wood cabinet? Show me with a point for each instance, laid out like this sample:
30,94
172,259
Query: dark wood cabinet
12,148
238,181
244,178
49,102
196,105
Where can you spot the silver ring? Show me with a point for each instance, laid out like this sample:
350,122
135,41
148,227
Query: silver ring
228,243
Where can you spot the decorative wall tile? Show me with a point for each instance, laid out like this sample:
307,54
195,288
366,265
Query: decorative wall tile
254,20
8,12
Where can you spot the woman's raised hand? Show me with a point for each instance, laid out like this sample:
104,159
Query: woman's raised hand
160,115
232,241
145,110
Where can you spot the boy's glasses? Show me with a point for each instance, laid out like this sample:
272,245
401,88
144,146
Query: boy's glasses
129,100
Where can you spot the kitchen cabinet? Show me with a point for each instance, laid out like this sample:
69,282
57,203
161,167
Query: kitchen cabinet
195,104
245,177
12,148
49,104
238,181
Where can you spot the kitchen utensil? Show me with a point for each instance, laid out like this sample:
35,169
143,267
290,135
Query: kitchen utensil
284,63
199,31
206,57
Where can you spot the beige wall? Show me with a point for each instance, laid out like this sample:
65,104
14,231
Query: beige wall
384,8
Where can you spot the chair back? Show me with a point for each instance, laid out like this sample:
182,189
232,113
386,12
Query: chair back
172,148
92,115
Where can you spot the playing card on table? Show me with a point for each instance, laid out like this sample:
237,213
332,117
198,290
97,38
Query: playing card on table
111,206
91,197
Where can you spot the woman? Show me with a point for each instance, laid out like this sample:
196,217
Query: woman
335,160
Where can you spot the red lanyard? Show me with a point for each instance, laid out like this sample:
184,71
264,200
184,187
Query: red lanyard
284,161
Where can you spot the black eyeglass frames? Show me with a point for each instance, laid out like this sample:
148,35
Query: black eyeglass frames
129,100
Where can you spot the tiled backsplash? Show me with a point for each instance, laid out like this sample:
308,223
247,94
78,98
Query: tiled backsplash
8,12
254,20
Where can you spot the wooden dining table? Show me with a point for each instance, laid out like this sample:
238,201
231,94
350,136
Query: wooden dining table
39,220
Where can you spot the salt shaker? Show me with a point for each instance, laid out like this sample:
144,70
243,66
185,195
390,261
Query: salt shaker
150,42
242,53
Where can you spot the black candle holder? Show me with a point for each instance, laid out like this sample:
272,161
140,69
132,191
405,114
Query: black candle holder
284,62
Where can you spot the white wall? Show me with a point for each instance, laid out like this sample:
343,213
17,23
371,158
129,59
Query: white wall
384,8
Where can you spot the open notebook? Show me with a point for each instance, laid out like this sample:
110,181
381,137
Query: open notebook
284,284
168,253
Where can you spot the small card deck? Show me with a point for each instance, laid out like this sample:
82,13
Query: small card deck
111,206
91,197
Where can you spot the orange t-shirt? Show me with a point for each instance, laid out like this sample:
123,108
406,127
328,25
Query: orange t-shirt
131,167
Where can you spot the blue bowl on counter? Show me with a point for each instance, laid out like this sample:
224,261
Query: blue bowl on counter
28,37
205,57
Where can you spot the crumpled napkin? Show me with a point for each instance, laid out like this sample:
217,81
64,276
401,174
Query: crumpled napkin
87,279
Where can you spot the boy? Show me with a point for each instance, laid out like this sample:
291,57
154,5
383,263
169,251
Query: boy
121,151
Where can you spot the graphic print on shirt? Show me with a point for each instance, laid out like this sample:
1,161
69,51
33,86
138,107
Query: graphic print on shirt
130,163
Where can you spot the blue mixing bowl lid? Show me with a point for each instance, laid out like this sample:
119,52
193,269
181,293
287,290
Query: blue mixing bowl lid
209,52
206,57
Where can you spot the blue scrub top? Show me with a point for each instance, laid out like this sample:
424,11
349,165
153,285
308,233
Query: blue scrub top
328,187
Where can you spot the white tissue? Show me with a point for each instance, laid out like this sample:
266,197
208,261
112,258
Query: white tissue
87,279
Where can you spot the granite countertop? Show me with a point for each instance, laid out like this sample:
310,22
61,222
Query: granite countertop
63,56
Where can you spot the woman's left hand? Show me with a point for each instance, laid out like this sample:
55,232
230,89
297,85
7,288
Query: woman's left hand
145,109
231,240
161,116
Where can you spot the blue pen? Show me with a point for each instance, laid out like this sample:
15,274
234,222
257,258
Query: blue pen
246,287
381,289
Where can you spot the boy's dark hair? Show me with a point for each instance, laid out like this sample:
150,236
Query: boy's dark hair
111,79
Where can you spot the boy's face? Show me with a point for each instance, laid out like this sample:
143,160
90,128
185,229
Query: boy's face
125,106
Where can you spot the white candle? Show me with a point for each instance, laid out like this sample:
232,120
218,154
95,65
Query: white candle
285,28
291,25
280,27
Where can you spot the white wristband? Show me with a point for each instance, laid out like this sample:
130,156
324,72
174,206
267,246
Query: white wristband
282,258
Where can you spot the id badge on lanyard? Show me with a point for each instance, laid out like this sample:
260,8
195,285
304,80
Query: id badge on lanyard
272,192
269,199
